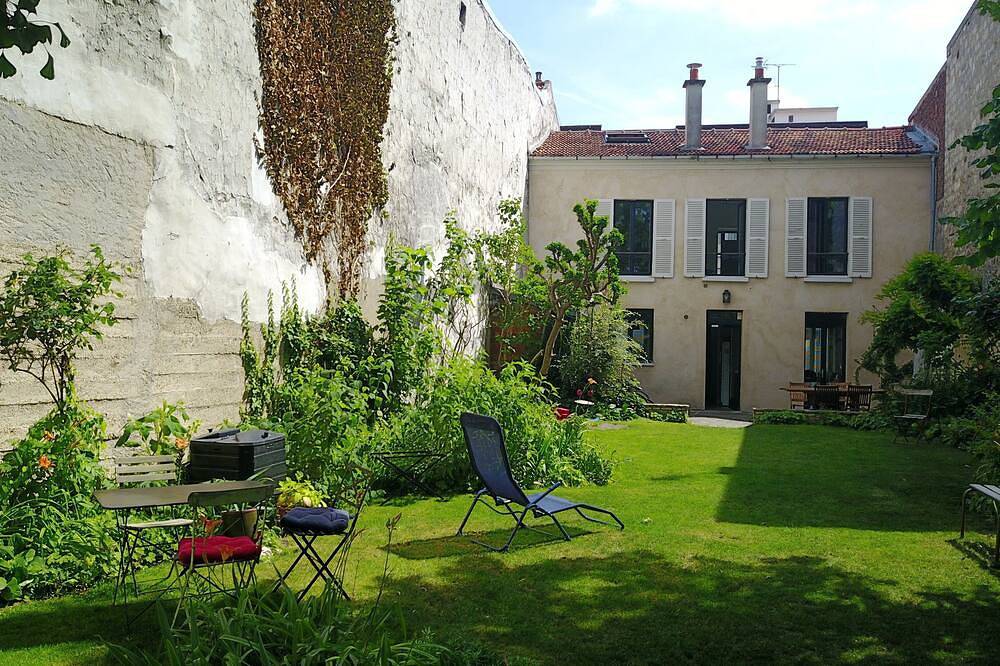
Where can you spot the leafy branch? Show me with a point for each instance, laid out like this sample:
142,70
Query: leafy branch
18,31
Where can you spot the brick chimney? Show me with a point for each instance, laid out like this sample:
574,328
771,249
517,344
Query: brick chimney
692,109
758,107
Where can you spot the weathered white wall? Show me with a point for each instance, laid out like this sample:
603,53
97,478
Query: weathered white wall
144,144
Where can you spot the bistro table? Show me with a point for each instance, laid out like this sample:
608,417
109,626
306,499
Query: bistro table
123,501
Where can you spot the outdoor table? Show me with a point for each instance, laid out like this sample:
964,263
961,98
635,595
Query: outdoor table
812,391
123,501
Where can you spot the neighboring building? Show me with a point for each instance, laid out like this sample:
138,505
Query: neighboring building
951,109
750,251
800,114
145,144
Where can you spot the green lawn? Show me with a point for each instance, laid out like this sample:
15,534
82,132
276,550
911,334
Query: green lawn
774,543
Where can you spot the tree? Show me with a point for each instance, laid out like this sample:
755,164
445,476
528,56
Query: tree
49,311
979,227
579,278
17,31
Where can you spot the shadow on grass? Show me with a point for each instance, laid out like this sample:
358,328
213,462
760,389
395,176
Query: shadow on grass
811,476
454,545
977,551
641,608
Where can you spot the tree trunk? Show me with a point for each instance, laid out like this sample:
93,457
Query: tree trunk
550,346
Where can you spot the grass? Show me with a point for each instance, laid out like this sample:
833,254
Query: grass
775,543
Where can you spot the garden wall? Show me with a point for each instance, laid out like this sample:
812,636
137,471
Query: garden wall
144,144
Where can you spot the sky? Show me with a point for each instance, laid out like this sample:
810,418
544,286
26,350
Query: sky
621,63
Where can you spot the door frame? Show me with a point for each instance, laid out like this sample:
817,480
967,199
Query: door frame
732,319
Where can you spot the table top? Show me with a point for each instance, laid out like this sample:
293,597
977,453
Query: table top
118,499
814,389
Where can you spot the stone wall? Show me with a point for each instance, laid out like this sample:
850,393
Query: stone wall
144,144
973,70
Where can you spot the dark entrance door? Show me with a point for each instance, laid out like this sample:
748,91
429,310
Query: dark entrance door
722,367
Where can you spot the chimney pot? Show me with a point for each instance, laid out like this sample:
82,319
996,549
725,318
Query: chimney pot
758,107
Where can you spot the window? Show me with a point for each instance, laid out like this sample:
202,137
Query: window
626,137
642,332
634,219
825,347
826,238
791,118
725,237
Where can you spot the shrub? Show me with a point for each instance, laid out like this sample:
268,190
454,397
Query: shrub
542,450
785,416
600,359
47,482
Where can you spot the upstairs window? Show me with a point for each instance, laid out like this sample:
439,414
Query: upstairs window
826,238
642,331
634,219
626,137
725,237
825,347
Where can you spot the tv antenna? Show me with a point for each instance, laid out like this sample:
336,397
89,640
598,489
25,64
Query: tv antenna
778,66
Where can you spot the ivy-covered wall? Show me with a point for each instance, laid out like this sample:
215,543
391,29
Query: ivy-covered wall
147,142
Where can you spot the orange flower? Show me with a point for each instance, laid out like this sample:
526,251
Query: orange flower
226,552
181,443
591,380
44,462
210,525
49,436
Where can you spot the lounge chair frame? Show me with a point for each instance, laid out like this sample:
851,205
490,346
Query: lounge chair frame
488,453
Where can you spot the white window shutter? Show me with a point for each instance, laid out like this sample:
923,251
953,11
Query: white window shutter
758,223
663,238
606,208
795,237
694,238
859,237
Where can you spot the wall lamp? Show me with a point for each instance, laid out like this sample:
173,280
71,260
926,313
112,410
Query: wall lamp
727,297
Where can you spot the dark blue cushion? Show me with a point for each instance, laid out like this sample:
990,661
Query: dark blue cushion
323,520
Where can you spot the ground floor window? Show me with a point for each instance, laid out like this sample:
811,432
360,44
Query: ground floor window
825,347
642,331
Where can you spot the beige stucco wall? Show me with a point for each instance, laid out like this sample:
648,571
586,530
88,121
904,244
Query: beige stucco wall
773,308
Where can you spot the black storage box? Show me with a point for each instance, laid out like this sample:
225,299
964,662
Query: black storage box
236,455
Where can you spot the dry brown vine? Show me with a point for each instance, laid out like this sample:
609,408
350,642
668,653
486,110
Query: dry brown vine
326,67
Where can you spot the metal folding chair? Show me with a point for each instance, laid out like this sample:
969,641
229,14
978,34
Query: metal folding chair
200,556
305,526
131,471
488,453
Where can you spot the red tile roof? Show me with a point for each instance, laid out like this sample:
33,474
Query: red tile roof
732,141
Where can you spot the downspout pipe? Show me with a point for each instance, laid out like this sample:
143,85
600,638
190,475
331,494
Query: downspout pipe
934,197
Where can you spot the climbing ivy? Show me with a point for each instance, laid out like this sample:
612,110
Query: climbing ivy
326,67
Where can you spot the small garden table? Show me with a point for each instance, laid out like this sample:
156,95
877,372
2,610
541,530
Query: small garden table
123,501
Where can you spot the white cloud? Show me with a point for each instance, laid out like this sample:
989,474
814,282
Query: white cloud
602,7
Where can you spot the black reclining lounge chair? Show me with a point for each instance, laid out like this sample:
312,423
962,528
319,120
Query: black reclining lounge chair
488,453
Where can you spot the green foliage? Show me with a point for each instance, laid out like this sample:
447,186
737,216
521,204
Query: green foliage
601,358
53,536
49,311
977,430
542,450
293,493
665,415
779,417
167,430
990,8
872,420
580,278
926,311
263,629
18,30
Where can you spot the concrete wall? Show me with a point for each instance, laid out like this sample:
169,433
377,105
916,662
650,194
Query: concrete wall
972,70
144,144
774,307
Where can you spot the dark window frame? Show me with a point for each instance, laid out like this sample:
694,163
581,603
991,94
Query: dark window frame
821,260
643,316
637,263
818,327
713,258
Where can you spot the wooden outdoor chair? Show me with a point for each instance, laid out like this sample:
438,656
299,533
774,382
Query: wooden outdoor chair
826,396
859,397
797,396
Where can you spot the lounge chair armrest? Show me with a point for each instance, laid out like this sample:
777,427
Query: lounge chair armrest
545,494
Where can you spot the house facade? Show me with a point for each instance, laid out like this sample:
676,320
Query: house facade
750,251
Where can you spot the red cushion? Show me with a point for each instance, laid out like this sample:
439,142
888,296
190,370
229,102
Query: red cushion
218,549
